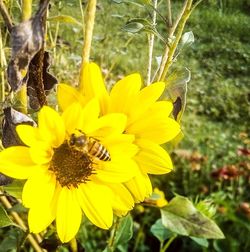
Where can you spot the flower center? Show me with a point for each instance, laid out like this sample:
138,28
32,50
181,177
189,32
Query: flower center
71,167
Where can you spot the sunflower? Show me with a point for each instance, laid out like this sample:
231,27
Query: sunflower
148,119
63,179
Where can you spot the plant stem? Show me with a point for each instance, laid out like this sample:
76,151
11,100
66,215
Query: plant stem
20,222
113,234
170,50
88,34
26,9
6,16
151,44
22,94
168,243
3,65
169,14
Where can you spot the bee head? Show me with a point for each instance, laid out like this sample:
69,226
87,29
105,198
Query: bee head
77,140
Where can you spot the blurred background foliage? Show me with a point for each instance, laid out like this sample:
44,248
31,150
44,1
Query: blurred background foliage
212,161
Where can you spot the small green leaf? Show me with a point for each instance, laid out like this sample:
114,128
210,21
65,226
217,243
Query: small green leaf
124,231
180,216
15,188
201,241
64,19
187,39
133,27
4,218
160,232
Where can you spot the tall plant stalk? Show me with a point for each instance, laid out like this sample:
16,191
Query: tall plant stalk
151,45
174,30
88,34
22,94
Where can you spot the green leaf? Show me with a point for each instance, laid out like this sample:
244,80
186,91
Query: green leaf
4,218
160,231
124,231
176,91
64,19
133,27
201,241
15,188
180,216
187,39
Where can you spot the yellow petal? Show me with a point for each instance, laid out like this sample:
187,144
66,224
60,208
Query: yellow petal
27,133
117,170
91,113
92,85
39,218
96,202
152,158
154,125
67,95
122,199
41,153
39,189
73,117
68,215
126,150
109,124
51,126
16,162
124,93
140,187
144,100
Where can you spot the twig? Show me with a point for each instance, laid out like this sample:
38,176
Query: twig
20,222
6,16
151,45
179,32
169,14
170,50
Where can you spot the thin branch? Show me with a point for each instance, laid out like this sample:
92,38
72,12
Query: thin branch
20,222
6,16
169,14
151,45
181,24
167,56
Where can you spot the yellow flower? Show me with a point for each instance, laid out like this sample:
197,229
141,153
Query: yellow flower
156,199
63,178
147,119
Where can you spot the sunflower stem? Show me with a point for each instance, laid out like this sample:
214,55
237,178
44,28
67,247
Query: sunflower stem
22,94
20,222
166,246
111,243
88,34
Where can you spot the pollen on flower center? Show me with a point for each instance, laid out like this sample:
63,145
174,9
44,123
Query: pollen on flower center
71,167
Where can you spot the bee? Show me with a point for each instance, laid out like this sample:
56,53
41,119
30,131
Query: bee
89,145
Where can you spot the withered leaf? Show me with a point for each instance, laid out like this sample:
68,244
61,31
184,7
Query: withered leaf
176,91
5,180
27,39
40,81
11,119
